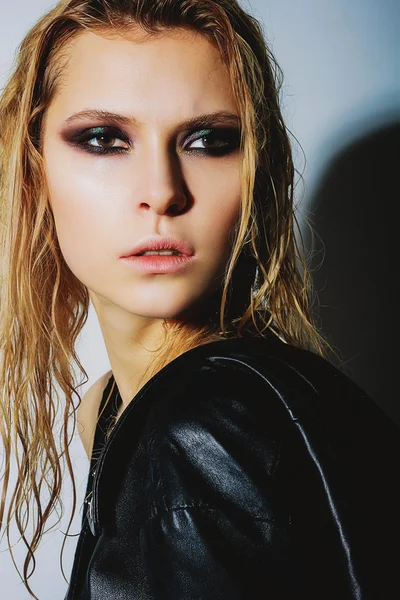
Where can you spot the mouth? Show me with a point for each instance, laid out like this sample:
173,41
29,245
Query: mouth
161,246
159,262
160,253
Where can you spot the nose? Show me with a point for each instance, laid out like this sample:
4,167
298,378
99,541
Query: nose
163,186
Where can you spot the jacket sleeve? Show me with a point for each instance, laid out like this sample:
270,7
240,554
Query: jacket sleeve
217,525
247,502
199,551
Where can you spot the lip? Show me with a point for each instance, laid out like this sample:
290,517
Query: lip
157,242
158,264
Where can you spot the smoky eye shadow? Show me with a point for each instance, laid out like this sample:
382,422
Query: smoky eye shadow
78,137
86,133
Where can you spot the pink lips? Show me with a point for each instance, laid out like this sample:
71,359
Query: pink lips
156,242
158,264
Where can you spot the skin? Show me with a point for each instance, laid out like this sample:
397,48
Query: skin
105,204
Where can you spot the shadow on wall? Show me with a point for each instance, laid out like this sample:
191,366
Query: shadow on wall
355,264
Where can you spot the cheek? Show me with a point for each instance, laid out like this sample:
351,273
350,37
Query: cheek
221,218
81,222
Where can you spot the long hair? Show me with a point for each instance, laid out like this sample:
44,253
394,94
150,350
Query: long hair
43,306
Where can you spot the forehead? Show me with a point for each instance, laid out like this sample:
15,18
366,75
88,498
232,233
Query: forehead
178,72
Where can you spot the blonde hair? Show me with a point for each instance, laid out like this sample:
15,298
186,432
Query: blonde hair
267,284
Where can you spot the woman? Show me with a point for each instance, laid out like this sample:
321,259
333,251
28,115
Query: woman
229,458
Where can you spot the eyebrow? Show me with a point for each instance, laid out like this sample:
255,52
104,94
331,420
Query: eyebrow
201,121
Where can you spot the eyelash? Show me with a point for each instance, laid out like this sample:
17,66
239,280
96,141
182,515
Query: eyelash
231,137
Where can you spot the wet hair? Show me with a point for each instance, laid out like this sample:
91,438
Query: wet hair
266,284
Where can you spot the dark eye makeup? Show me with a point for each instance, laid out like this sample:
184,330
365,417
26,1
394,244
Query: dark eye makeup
217,141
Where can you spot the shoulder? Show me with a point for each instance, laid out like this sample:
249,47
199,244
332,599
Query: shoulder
88,411
301,381
248,381
216,429
264,374
264,452
242,406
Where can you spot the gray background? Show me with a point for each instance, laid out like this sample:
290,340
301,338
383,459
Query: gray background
341,99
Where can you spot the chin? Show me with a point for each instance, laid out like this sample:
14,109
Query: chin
158,309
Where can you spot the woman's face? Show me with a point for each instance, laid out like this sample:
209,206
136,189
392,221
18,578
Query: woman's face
112,181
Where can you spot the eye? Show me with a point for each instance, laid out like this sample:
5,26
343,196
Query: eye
110,140
217,141
102,140
106,141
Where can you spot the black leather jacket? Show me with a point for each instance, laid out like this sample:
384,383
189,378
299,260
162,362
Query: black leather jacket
245,469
